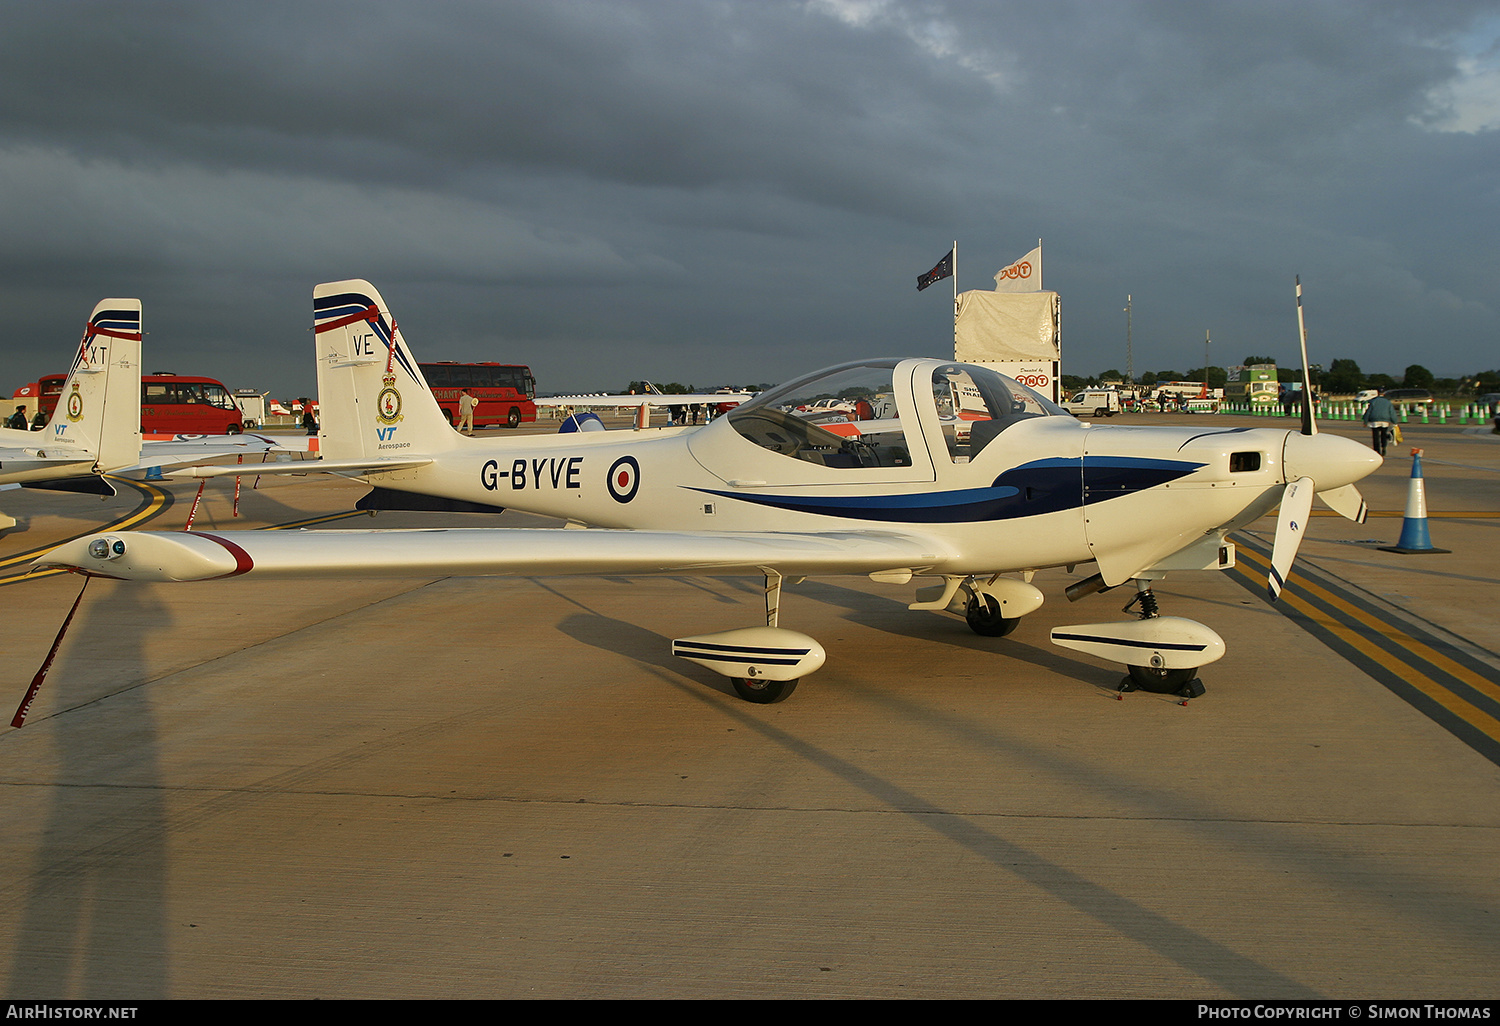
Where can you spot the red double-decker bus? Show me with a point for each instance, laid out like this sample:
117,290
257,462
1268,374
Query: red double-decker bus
506,392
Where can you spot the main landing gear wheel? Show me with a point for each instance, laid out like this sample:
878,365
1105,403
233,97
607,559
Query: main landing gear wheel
1181,682
763,692
983,615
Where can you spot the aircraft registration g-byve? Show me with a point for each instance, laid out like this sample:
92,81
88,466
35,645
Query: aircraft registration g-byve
96,427
944,470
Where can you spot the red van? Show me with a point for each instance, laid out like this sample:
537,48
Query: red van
172,404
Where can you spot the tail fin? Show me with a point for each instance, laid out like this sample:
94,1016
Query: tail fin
99,410
372,398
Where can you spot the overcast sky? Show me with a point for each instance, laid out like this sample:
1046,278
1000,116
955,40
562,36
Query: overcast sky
743,191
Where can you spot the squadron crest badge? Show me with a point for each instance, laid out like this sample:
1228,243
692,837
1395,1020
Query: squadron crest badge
75,404
388,404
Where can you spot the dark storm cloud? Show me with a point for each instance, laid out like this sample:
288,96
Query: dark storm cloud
714,191
664,95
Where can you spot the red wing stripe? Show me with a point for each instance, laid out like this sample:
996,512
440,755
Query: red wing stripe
242,561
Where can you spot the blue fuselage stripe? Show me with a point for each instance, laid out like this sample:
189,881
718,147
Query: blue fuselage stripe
1043,486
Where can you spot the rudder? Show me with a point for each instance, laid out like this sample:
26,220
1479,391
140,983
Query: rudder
372,398
99,410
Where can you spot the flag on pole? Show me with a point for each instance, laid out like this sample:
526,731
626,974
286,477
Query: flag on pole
1025,275
944,269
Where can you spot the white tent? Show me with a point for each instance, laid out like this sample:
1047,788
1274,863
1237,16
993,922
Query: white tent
1016,333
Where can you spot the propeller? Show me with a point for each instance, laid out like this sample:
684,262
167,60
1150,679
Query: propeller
1309,423
1296,503
1327,465
1346,502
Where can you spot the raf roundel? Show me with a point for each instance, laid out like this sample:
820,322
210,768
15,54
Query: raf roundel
624,478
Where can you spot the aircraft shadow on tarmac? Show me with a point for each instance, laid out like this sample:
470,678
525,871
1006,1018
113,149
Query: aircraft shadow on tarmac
71,910
887,615
594,629
216,512
1184,946
890,616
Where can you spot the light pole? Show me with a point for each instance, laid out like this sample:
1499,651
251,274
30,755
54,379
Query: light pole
1205,363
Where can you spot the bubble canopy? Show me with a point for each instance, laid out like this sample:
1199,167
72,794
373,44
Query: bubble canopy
1002,395
849,415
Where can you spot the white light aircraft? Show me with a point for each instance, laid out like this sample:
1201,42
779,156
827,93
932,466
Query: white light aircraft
947,470
653,396
96,427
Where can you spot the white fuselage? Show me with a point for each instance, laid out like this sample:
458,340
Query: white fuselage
1136,494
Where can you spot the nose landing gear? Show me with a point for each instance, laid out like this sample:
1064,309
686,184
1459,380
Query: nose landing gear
1162,654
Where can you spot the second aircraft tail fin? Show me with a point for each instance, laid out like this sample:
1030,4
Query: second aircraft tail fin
99,410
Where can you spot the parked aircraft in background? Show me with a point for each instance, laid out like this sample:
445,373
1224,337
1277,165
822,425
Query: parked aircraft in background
96,426
652,397
947,470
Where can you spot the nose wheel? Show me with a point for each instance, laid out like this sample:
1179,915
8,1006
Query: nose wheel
763,692
1162,681
1162,654
1158,679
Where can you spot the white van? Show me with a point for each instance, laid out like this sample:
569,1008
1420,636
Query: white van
1093,402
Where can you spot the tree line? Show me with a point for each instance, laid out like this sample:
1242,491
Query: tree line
1342,376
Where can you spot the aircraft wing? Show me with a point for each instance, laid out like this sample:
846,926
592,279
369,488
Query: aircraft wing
481,552
645,399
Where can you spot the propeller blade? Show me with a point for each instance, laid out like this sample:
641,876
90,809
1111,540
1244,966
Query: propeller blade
1347,503
1296,503
1309,423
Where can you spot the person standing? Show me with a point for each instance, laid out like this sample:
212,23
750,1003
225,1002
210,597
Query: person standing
466,404
1380,415
309,419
